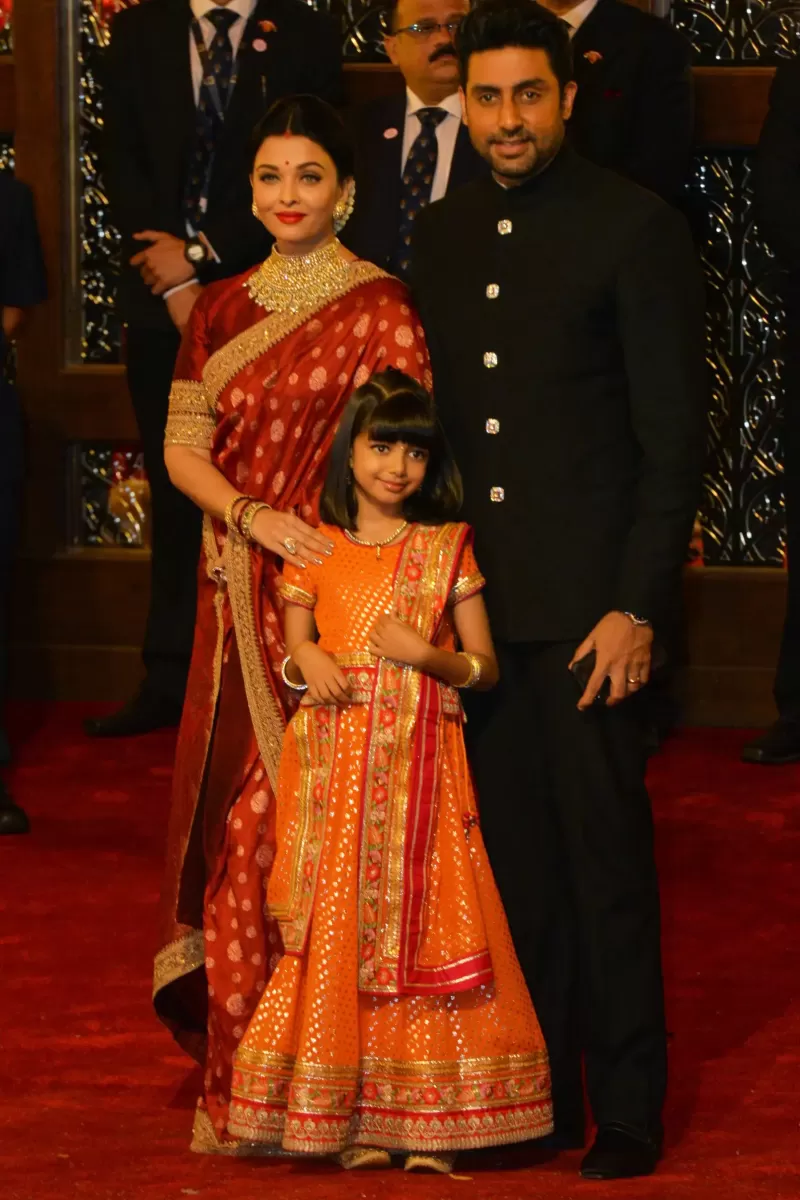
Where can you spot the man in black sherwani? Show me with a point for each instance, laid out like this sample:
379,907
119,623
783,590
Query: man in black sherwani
564,312
185,83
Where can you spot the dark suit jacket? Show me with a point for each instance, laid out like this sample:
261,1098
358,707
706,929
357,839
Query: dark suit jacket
150,129
634,111
371,231
599,389
778,181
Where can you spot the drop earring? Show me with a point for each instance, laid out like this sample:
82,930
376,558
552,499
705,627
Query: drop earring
254,209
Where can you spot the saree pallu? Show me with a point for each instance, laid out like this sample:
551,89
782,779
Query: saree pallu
398,1016
262,392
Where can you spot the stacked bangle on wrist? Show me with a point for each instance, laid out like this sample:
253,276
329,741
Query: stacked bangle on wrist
248,515
296,687
231,521
475,669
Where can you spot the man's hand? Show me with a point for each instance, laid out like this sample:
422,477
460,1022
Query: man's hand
181,304
162,265
623,654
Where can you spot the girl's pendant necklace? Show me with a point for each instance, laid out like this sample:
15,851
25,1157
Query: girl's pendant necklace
361,542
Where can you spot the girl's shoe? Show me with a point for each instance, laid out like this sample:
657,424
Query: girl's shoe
362,1157
442,1164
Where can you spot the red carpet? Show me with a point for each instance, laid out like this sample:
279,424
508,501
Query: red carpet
95,1102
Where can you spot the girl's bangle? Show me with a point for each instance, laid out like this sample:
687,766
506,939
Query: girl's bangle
475,669
230,521
248,515
296,687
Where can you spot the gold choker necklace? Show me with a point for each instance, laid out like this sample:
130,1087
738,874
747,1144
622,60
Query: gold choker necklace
294,282
361,542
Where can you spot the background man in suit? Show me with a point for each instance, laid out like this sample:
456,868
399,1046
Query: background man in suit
186,82
22,285
413,147
634,111
777,206
564,312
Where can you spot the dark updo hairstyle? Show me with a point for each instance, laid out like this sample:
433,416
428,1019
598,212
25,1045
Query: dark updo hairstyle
497,24
312,118
393,407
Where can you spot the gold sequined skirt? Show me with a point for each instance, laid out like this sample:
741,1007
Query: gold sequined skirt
323,1066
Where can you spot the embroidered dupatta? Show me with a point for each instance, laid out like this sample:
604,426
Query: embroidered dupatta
264,394
399,801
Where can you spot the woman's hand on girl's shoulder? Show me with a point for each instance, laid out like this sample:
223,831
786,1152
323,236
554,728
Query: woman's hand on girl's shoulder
326,683
286,535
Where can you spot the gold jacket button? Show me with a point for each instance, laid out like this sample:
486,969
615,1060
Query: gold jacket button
497,495
492,425
493,291
490,359
504,227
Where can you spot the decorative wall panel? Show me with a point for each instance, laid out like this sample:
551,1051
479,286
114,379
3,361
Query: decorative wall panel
111,496
742,511
739,32
6,34
6,152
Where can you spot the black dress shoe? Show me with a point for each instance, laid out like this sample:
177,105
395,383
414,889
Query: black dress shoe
13,819
621,1153
144,713
779,745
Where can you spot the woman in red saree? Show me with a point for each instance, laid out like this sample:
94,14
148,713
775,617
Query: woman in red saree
267,363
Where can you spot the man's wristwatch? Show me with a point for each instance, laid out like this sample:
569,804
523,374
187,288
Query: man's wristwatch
638,621
195,251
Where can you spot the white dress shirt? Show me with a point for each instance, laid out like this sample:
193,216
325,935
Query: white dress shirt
446,134
577,15
243,10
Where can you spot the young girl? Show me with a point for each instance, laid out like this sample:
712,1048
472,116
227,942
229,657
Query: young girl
398,1019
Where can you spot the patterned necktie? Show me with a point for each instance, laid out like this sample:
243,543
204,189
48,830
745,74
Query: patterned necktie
217,65
417,182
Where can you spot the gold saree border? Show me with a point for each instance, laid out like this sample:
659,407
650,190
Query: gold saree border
267,718
179,958
225,363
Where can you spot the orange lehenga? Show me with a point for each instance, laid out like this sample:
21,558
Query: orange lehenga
398,1016
264,392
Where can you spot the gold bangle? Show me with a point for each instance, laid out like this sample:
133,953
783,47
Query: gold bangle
229,521
248,516
296,687
475,669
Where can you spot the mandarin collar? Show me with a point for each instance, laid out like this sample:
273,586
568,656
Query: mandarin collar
538,185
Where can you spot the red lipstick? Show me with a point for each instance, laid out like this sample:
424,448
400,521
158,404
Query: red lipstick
290,218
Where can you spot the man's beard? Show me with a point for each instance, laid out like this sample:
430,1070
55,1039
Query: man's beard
516,170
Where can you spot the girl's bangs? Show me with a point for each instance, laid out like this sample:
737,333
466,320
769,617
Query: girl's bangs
402,418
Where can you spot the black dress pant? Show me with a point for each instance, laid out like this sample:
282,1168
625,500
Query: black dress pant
568,827
11,475
176,520
787,679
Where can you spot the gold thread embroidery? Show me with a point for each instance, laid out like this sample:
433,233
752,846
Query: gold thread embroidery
179,958
191,420
296,595
296,282
466,588
249,345
268,723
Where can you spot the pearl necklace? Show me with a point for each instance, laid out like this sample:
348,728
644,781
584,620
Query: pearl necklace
361,542
294,282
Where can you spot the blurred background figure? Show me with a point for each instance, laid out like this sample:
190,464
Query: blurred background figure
778,211
22,285
412,148
186,82
634,111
